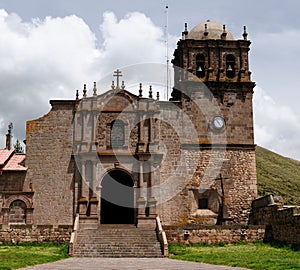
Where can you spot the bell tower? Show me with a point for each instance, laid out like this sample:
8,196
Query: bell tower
212,85
210,54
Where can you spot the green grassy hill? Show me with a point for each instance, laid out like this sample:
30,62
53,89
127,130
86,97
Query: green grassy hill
278,175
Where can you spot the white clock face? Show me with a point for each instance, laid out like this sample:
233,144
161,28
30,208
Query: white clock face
218,122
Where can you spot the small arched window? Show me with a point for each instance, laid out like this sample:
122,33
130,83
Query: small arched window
200,66
117,134
230,66
17,212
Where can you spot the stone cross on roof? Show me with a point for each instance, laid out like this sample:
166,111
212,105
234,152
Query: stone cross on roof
118,74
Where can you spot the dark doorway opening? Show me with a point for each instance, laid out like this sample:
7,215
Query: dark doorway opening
117,198
203,203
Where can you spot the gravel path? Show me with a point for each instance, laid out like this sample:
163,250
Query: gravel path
126,263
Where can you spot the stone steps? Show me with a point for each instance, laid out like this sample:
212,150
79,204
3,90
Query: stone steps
117,241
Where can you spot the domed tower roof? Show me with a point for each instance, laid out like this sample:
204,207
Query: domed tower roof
209,30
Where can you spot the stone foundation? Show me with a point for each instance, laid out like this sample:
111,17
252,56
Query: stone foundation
40,233
282,222
214,234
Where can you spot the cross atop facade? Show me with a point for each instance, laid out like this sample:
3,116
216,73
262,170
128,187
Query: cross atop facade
118,74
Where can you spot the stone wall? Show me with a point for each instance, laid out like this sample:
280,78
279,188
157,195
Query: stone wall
214,234
282,222
209,152
39,233
49,142
12,181
187,154
239,173
235,106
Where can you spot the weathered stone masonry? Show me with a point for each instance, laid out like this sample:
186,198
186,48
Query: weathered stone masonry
50,164
189,160
31,233
215,234
282,222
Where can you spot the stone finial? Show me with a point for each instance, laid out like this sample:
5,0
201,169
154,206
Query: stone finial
113,85
95,89
205,30
185,32
84,90
123,85
245,34
150,92
157,95
9,136
141,91
77,94
224,34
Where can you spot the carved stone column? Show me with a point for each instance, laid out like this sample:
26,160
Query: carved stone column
141,202
94,208
151,201
5,212
84,184
29,216
152,207
83,205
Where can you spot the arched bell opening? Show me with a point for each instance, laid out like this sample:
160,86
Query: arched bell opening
230,66
200,66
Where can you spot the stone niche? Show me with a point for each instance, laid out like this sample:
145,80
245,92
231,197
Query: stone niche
206,207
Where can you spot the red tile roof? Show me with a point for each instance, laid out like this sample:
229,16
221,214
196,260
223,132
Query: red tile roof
10,161
5,155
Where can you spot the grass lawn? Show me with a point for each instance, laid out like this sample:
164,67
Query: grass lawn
278,175
22,255
252,256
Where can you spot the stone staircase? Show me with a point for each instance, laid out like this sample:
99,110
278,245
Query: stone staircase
117,241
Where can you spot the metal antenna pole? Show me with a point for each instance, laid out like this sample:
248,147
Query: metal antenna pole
167,51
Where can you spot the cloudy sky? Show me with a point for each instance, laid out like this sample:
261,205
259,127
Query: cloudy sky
48,49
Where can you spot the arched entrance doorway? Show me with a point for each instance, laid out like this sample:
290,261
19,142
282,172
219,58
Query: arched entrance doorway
117,198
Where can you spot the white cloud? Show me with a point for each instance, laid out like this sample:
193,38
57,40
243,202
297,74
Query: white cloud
275,59
40,60
131,40
50,58
134,38
277,127
46,49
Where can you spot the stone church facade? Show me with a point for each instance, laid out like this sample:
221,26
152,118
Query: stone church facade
118,158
